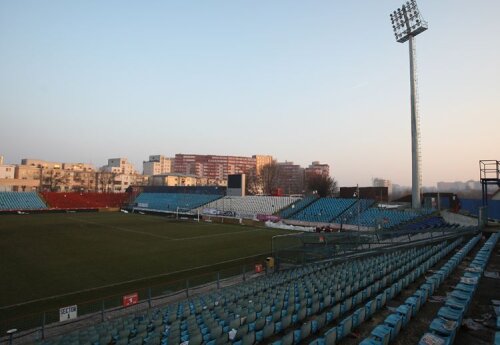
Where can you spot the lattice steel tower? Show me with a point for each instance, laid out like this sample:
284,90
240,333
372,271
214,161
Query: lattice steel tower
408,23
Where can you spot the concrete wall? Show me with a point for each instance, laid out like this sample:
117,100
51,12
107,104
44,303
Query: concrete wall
460,219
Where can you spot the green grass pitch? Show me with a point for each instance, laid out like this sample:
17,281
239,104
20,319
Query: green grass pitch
55,254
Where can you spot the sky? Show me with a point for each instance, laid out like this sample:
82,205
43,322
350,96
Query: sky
84,81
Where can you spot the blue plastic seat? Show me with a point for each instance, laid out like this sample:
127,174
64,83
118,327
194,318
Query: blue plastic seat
382,333
344,327
444,328
331,336
450,314
370,341
358,317
405,312
414,302
395,321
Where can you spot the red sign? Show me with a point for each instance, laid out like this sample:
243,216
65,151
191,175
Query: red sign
131,299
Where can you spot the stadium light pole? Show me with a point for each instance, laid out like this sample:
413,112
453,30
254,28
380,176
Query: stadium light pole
408,23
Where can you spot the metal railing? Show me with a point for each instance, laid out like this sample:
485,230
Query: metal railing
33,326
299,249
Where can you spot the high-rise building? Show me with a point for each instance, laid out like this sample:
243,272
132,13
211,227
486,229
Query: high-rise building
318,169
212,166
379,182
7,174
38,163
290,178
157,165
119,166
260,161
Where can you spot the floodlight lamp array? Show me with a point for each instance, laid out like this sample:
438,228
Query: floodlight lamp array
407,21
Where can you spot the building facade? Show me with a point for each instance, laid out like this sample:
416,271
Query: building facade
261,161
317,168
157,165
379,182
7,175
119,166
291,178
213,166
39,175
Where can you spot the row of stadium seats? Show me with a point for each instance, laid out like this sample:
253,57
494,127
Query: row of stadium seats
84,200
427,223
351,213
389,329
375,217
172,201
297,206
249,206
323,210
327,210
443,329
262,308
21,201
369,306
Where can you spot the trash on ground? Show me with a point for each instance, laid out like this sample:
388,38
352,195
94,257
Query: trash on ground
437,299
494,275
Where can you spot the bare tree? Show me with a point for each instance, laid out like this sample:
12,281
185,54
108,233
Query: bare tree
321,185
106,181
253,182
269,174
55,180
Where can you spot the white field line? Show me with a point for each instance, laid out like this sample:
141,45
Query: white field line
216,235
166,237
131,281
119,228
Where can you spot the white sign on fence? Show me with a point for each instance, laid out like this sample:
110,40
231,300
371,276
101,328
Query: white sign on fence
68,313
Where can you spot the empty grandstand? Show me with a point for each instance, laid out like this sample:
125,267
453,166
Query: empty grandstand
361,212
172,202
249,206
382,218
297,206
84,200
318,304
324,210
21,201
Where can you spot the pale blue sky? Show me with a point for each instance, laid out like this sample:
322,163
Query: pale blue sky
301,80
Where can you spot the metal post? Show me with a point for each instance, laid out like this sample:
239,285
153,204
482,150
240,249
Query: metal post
149,297
102,311
407,23
438,202
415,135
43,325
11,332
359,206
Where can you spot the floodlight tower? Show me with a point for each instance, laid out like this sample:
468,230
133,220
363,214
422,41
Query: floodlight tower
408,23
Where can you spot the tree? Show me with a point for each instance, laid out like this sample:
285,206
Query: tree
55,180
253,182
321,184
269,175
